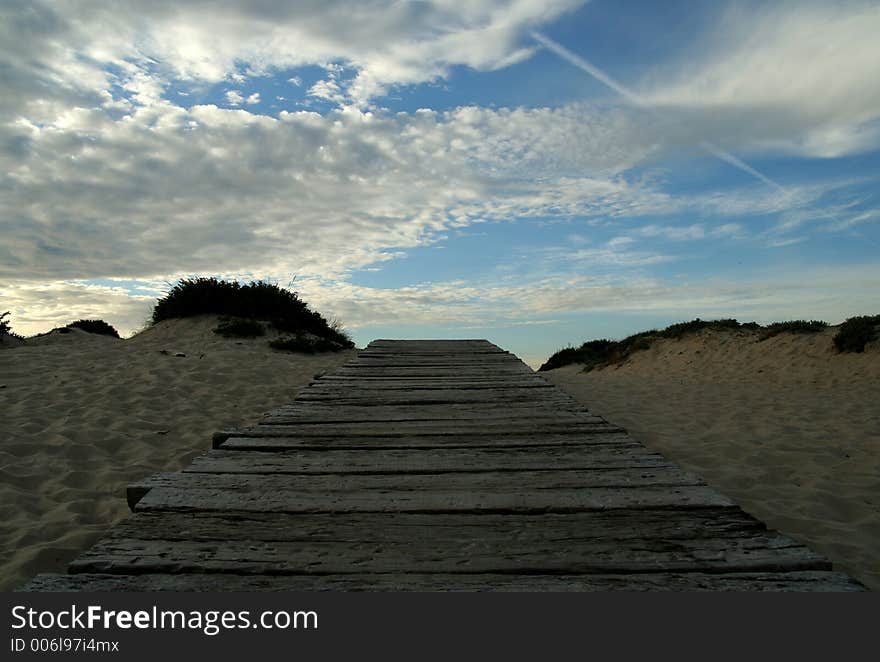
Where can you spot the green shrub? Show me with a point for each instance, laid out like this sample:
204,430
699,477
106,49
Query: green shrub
856,332
256,300
794,326
239,327
305,344
99,327
5,329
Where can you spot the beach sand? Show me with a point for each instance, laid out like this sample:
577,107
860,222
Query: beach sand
84,415
787,427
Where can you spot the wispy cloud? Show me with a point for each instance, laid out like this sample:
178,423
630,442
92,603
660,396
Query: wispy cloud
644,103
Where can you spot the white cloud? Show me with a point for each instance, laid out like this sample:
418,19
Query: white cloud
799,76
832,294
39,307
165,188
327,90
58,52
253,99
234,97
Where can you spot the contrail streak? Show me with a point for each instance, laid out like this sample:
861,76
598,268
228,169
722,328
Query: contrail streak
636,100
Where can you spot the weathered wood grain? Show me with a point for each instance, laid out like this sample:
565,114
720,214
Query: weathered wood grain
328,412
801,581
436,396
463,433
396,371
561,544
552,491
467,383
444,528
347,422
276,440
421,460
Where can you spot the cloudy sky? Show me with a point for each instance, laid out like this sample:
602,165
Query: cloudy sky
536,172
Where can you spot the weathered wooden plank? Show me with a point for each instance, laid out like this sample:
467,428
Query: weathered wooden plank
426,417
424,384
440,396
530,388
455,342
348,424
421,382
484,361
431,351
486,481
445,349
542,544
253,439
487,428
343,389
355,369
434,460
363,415
327,412
443,528
741,553
800,581
551,491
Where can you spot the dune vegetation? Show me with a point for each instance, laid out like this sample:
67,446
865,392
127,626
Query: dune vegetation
248,310
856,332
5,328
99,327
852,336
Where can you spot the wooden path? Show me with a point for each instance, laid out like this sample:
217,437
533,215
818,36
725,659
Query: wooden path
437,465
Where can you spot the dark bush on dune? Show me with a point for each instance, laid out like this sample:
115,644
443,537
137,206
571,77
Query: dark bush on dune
684,328
255,301
305,344
794,326
856,332
594,351
5,329
99,327
601,353
238,327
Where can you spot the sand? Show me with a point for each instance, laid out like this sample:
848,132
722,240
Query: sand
83,415
786,427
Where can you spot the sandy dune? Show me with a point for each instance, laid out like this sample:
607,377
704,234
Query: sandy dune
787,427
84,415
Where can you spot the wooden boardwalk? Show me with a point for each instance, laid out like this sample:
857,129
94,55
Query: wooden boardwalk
437,465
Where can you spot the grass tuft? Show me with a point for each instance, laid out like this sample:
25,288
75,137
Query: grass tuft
856,332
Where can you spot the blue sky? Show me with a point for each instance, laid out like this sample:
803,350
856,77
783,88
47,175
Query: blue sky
536,173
